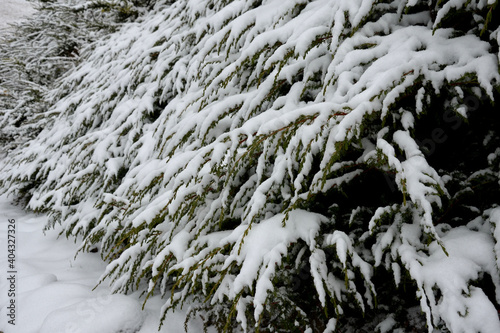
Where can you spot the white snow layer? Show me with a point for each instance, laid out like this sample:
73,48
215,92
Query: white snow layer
464,308
12,11
450,265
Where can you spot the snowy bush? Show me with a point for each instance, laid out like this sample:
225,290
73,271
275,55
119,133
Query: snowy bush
37,51
286,166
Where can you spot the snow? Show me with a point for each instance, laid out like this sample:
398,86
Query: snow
177,170
464,308
12,11
386,325
55,291
110,313
451,265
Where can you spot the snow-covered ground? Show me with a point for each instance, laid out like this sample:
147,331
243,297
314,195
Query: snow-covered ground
52,291
13,10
